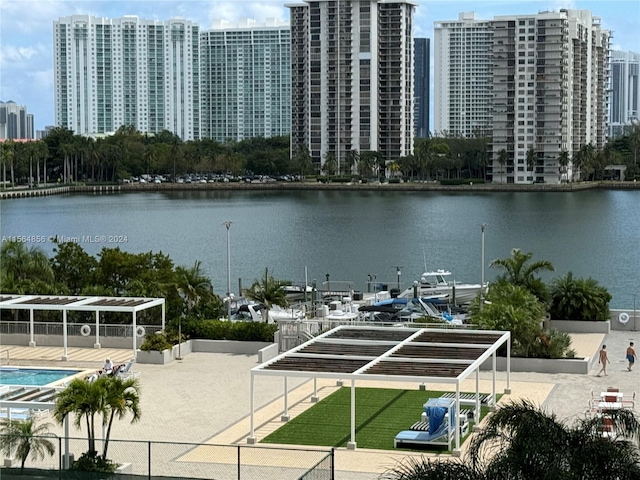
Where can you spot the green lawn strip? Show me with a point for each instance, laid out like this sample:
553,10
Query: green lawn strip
380,415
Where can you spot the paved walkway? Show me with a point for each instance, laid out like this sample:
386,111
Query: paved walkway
205,398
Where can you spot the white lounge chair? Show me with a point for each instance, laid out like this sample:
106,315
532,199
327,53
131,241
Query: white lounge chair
126,372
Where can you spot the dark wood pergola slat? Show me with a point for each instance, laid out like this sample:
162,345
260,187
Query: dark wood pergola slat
337,365
117,303
341,349
437,352
410,369
380,335
450,337
49,301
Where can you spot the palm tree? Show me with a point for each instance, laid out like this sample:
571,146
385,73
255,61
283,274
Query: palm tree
352,158
531,158
193,286
269,292
518,271
85,400
503,156
563,162
122,397
579,299
25,265
8,156
25,437
330,163
521,441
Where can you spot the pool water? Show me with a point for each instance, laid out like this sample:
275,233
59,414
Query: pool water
32,376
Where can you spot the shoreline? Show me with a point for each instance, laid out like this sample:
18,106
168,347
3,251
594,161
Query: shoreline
302,186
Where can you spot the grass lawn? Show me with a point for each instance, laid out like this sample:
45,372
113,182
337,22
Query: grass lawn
380,414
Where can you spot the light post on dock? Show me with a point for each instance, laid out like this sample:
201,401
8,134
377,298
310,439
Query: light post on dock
228,225
398,273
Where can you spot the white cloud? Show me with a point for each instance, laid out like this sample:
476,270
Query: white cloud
42,79
15,54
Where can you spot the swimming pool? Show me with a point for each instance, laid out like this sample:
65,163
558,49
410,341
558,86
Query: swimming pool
32,376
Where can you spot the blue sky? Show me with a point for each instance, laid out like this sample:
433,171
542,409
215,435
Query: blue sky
26,30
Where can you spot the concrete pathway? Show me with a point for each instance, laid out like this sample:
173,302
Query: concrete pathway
205,399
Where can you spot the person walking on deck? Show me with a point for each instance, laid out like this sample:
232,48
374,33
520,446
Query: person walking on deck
631,356
604,359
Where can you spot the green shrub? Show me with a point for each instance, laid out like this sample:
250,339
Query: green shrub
158,341
92,462
579,299
225,330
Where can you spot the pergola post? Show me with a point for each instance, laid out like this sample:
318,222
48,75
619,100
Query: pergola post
135,335
251,439
476,413
285,416
352,444
32,342
314,397
163,313
493,377
97,344
456,421
65,356
508,389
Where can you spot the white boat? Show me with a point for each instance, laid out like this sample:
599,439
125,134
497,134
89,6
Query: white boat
438,283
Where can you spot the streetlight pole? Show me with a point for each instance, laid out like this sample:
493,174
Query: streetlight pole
398,273
228,225
482,228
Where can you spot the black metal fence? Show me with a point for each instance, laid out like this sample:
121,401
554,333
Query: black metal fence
170,460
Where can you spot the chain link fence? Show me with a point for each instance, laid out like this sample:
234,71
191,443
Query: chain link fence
165,460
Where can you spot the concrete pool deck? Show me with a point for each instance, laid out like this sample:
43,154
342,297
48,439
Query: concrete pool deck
205,397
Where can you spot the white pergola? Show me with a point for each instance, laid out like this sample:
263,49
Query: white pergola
33,398
131,305
420,355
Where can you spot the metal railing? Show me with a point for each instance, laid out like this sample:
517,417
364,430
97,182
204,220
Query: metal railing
73,329
149,459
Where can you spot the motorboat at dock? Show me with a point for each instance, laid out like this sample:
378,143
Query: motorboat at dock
436,284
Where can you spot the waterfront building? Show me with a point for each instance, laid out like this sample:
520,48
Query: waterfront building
463,88
550,83
624,95
547,92
40,134
352,78
421,67
15,122
245,75
126,71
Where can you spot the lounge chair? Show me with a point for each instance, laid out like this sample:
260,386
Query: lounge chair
126,371
442,436
470,398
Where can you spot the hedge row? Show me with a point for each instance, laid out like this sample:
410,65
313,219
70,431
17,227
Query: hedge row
224,330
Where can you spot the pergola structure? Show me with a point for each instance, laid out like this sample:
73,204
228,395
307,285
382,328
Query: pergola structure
421,355
131,305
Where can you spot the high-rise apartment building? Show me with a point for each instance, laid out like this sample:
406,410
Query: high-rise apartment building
127,71
624,95
463,76
352,78
245,78
546,94
15,122
421,55
550,83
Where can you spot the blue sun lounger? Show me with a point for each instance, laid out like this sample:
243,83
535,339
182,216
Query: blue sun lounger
440,412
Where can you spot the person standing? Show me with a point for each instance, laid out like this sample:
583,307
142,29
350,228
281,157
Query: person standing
631,355
604,358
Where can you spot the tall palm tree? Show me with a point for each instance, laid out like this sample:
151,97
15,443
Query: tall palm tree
503,156
330,163
85,400
193,286
518,271
8,156
122,397
563,162
269,292
531,159
352,158
26,437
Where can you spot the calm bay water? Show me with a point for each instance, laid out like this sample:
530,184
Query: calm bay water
351,235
